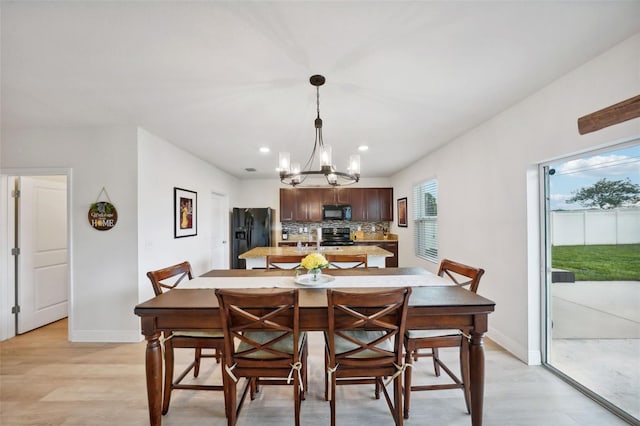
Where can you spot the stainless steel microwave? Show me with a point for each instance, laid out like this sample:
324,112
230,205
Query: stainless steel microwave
336,212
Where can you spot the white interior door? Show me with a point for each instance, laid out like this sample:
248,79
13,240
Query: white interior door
42,238
219,232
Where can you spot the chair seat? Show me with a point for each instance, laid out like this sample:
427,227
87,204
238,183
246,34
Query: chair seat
425,334
200,334
284,345
343,345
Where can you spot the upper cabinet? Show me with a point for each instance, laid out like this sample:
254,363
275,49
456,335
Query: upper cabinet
305,204
372,204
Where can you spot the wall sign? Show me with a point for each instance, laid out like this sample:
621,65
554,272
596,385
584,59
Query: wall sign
102,214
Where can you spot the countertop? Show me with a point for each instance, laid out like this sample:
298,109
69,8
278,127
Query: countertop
366,238
292,251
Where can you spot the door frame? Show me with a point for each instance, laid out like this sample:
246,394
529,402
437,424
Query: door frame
7,223
545,268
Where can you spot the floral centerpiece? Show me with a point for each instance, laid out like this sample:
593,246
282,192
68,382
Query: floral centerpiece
313,263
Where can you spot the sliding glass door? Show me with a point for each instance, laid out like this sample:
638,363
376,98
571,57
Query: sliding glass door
592,242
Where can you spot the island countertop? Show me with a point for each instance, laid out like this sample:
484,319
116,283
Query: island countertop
263,252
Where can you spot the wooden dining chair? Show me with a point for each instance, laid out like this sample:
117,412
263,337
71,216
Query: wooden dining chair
164,280
284,261
464,276
364,342
263,344
339,261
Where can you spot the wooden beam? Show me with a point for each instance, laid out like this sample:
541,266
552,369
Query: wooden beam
614,114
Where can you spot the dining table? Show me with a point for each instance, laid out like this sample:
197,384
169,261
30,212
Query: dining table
435,303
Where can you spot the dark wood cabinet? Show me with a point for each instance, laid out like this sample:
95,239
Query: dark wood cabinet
305,204
301,205
372,204
392,246
288,205
287,244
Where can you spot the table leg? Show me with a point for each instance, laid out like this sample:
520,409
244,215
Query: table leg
153,363
476,361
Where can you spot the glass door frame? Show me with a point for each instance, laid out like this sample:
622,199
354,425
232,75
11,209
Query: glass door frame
544,172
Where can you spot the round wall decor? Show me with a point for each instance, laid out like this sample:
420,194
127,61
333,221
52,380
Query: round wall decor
102,214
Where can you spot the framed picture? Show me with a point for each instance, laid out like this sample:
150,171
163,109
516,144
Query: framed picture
185,213
402,212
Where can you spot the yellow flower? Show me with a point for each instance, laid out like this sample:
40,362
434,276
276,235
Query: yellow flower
314,261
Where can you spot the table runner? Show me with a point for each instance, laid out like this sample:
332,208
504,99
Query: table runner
338,281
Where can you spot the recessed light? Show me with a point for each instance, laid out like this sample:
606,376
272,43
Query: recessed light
264,149
363,148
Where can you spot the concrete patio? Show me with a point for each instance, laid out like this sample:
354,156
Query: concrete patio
596,338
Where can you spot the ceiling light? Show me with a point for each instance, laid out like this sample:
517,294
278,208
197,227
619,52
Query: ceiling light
363,148
264,149
292,174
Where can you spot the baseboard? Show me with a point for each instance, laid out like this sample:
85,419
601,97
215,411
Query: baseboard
515,348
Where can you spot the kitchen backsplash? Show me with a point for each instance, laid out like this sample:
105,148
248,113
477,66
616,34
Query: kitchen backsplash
298,228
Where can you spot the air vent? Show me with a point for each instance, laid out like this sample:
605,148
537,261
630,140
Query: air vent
250,169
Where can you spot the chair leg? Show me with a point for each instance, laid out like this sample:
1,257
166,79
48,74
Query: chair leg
407,384
332,401
196,367
397,396
464,372
231,404
168,375
436,358
297,399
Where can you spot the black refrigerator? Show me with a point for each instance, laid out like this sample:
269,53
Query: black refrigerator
250,228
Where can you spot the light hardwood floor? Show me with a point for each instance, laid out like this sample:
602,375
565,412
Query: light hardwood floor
45,380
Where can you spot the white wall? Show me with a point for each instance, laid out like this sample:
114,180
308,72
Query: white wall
488,198
104,266
162,166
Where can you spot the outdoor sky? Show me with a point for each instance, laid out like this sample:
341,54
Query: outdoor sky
572,175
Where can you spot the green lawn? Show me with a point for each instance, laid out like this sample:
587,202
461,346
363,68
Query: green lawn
599,262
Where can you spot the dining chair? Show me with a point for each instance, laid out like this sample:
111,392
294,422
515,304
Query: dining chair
464,276
347,261
263,344
284,261
363,344
167,279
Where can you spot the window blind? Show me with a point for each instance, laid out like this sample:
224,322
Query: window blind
425,219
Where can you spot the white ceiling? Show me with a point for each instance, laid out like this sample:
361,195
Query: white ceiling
221,79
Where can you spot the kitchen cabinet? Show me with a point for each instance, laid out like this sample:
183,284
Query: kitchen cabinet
301,205
288,205
287,244
392,246
372,204
305,204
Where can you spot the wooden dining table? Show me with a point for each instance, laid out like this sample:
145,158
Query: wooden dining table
434,306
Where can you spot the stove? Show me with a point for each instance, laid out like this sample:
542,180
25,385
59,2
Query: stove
336,237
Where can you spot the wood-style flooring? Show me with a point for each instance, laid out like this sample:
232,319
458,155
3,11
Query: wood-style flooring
45,380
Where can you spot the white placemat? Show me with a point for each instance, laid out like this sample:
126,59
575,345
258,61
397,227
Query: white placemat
338,282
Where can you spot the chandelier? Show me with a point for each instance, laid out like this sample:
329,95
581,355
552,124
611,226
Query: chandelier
292,174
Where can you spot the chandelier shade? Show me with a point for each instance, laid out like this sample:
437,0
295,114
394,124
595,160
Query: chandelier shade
292,174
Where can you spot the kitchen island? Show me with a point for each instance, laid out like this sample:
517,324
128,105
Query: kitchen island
256,258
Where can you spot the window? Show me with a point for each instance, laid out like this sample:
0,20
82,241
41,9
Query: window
425,219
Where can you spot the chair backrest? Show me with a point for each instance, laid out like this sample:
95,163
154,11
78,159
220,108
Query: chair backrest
265,322
366,327
462,275
347,262
169,277
284,261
